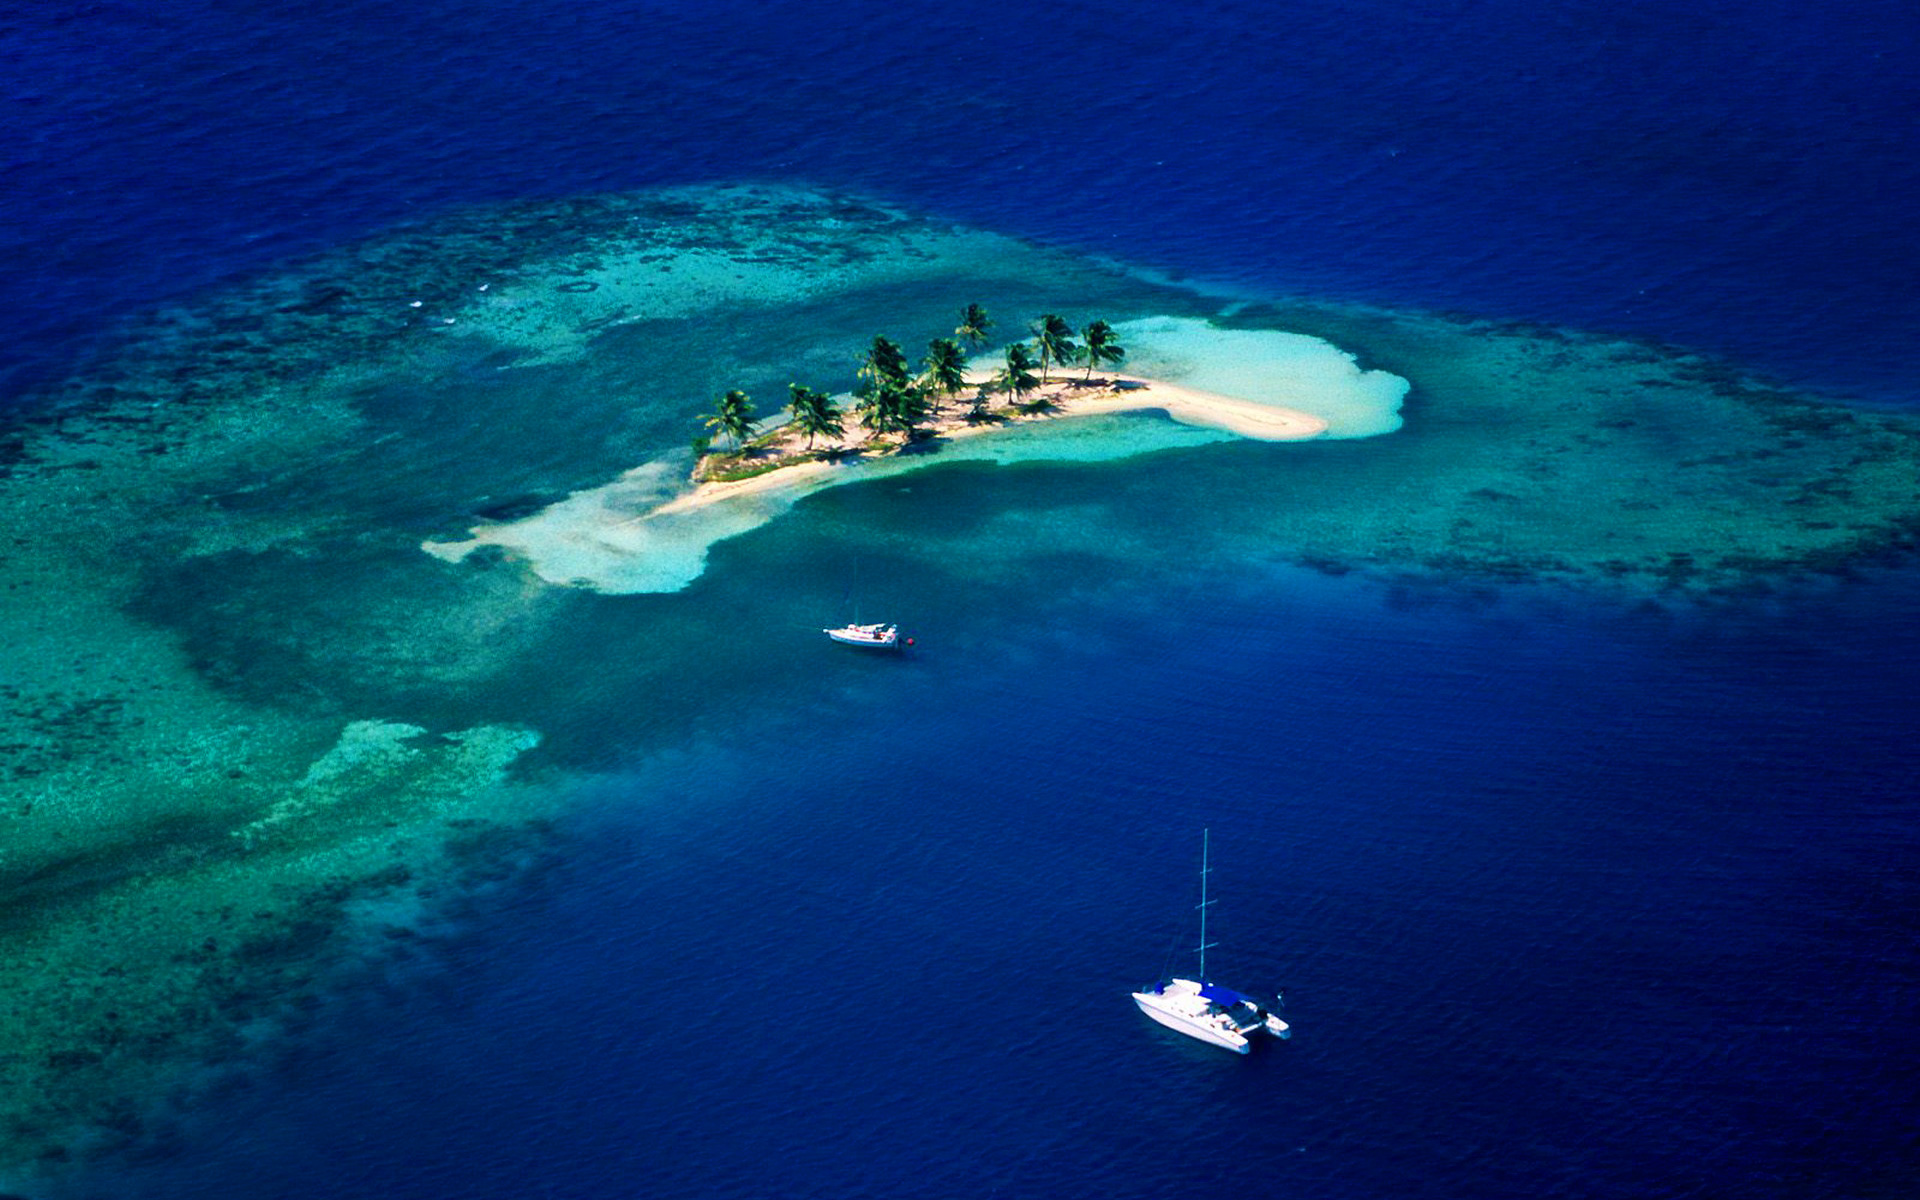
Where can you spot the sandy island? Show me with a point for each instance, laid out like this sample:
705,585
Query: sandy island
782,458
643,533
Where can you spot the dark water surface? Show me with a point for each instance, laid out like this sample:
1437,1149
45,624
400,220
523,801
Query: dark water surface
1735,176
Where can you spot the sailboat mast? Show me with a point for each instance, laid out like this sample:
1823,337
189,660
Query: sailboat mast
1205,870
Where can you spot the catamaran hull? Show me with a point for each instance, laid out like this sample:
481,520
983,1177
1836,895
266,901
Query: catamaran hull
1208,1033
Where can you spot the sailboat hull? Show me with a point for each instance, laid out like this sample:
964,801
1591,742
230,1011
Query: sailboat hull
872,637
1179,1006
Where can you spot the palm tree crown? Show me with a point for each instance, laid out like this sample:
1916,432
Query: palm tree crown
885,363
1101,345
946,367
1055,338
814,413
733,416
1017,377
974,323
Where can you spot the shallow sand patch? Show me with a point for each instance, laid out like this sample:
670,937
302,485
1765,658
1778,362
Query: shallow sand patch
631,536
1269,368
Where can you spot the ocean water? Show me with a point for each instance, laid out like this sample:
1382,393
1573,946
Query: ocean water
1568,895
1733,176
1561,902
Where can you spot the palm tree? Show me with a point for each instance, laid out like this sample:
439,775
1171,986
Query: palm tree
974,323
733,416
1017,377
1102,346
946,365
885,363
906,408
814,413
1055,338
892,408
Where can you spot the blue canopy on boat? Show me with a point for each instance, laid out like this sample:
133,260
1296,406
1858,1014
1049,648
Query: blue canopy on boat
1222,995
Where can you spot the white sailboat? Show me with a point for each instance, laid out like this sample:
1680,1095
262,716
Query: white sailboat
878,636
875,635
1202,1009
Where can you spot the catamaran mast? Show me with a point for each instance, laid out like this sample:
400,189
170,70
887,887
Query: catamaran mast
1204,902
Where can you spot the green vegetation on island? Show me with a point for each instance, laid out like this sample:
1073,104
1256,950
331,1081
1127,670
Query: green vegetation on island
891,402
1054,339
734,417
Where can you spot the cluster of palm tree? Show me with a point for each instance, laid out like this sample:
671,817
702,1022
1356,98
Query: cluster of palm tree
887,398
1053,341
891,398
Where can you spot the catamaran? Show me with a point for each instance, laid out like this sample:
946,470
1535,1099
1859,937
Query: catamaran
879,636
1202,1009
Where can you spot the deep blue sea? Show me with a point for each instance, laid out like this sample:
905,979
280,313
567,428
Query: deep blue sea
1566,900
